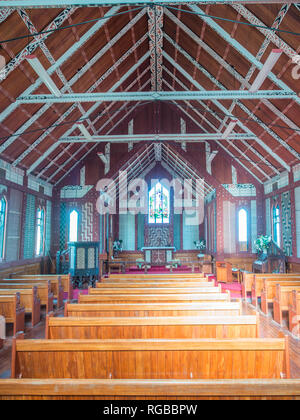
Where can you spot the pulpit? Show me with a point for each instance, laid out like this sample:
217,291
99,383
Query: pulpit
224,271
84,262
157,256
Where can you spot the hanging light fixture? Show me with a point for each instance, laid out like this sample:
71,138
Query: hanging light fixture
42,73
267,67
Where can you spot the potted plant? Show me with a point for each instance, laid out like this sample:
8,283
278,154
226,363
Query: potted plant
201,245
262,243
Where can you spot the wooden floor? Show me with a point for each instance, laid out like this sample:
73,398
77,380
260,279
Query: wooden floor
268,328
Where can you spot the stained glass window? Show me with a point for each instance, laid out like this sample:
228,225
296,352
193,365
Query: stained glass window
2,226
159,204
40,230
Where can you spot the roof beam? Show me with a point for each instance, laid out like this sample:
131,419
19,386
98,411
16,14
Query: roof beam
271,36
157,96
68,54
225,111
221,61
90,111
56,144
240,49
155,25
154,137
36,4
4,13
74,79
38,40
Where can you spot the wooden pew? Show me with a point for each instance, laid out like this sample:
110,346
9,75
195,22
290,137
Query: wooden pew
147,298
248,279
153,309
157,284
245,358
281,300
244,326
269,289
29,300
66,281
43,289
56,286
155,290
170,276
13,312
294,312
143,389
258,282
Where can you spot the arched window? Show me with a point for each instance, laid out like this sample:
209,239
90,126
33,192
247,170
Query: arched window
3,212
159,204
243,230
40,231
73,226
276,225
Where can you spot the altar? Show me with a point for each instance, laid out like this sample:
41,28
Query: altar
155,255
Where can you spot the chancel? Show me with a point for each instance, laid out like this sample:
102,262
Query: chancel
149,201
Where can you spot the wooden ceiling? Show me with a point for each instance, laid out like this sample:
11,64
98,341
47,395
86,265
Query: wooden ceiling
187,52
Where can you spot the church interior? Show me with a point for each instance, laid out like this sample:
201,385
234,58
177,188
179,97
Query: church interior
149,199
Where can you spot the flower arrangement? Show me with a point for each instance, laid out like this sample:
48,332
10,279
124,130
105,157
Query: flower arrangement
262,243
117,246
200,244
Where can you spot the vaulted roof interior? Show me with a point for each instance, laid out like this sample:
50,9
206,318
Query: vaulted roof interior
170,48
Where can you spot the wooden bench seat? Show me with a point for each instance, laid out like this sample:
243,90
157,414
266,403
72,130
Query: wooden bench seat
294,312
155,276
66,281
119,285
151,359
281,300
244,326
43,290
143,389
269,290
258,284
155,290
56,286
29,300
248,279
146,298
13,311
153,309
152,280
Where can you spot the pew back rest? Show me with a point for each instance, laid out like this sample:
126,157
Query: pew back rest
9,305
282,293
120,389
245,326
269,286
130,298
151,359
157,284
161,309
55,283
159,290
